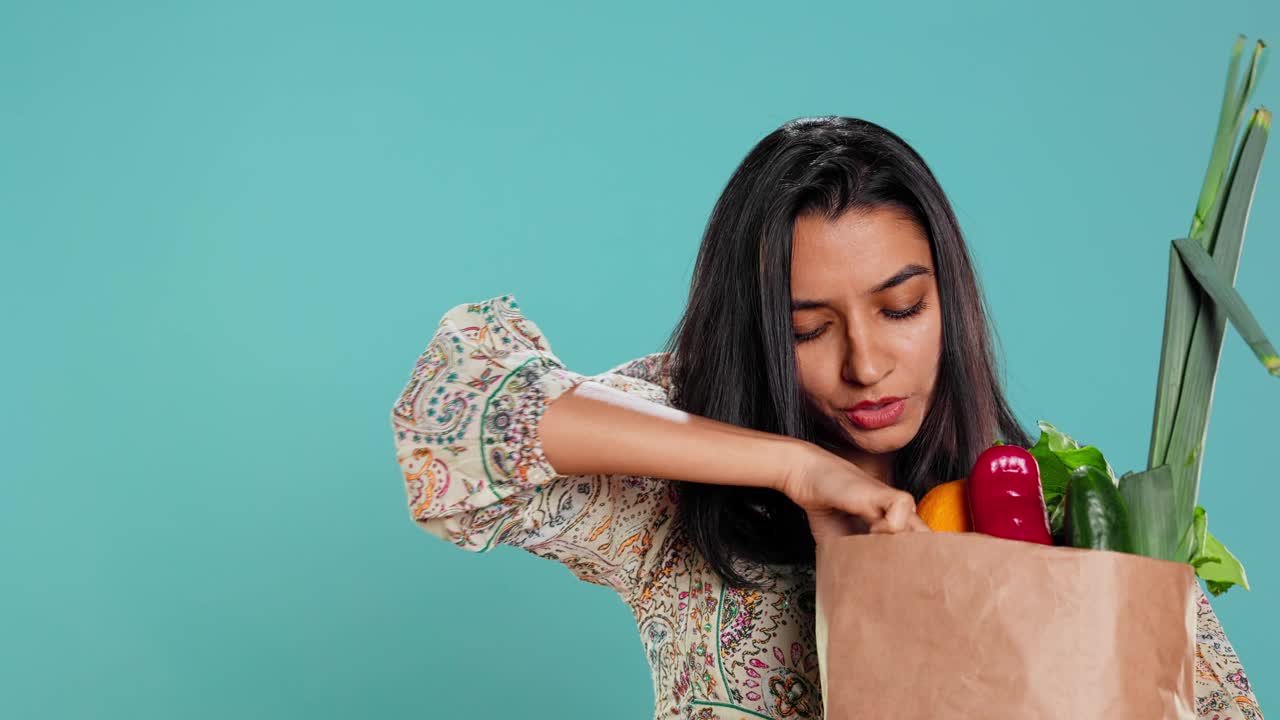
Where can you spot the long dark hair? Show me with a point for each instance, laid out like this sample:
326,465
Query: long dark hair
732,352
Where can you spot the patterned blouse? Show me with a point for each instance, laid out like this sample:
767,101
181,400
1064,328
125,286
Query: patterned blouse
466,438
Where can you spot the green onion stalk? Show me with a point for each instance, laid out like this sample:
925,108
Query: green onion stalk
1164,519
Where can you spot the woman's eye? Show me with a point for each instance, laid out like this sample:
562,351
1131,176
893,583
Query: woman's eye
801,337
891,314
904,314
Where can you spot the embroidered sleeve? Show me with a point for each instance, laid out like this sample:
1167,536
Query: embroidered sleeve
1222,688
466,439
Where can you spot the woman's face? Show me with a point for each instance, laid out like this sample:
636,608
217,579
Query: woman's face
867,324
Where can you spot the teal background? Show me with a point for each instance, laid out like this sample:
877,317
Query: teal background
229,229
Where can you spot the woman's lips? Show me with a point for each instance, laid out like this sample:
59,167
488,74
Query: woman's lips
873,418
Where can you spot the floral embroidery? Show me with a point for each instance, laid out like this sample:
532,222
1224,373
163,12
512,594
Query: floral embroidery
1239,680
466,435
738,617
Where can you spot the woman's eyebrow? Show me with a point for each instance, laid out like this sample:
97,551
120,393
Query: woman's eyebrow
900,277
903,275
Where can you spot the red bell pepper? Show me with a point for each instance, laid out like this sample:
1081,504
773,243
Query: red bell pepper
1005,496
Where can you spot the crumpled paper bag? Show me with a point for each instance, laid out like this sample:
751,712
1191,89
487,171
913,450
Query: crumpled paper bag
964,625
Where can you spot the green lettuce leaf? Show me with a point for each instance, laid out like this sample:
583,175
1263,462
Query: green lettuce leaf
1214,563
1058,455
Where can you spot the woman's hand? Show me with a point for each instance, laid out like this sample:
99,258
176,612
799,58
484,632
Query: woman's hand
841,499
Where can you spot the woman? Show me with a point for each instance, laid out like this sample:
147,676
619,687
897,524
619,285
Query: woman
833,364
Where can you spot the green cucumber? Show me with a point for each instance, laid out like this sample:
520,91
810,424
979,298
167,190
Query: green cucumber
1096,515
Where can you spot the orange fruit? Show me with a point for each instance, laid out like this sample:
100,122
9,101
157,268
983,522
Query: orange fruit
946,508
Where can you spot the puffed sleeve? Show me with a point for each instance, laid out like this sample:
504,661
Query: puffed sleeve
466,439
1222,689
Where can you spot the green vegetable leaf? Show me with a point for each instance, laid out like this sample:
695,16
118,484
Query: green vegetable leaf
1214,282
1054,474
1214,563
1197,538
1090,456
1058,522
1058,455
1207,321
1153,512
1054,477
1055,439
1217,588
1223,571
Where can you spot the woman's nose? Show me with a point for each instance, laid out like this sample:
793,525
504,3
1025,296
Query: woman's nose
865,363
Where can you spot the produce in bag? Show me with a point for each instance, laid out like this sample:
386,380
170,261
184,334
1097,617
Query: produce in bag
1102,621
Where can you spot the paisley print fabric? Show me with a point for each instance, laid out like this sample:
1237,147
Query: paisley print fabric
466,438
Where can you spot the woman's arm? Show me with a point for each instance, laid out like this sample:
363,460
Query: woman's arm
467,427
593,428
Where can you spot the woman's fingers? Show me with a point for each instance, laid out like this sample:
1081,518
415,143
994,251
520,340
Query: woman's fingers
825,526
899,510
898,507
830,524
914,524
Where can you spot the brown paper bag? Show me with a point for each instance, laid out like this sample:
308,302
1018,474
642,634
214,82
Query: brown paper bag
960,625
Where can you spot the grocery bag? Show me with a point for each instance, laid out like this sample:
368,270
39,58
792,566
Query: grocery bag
963,625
